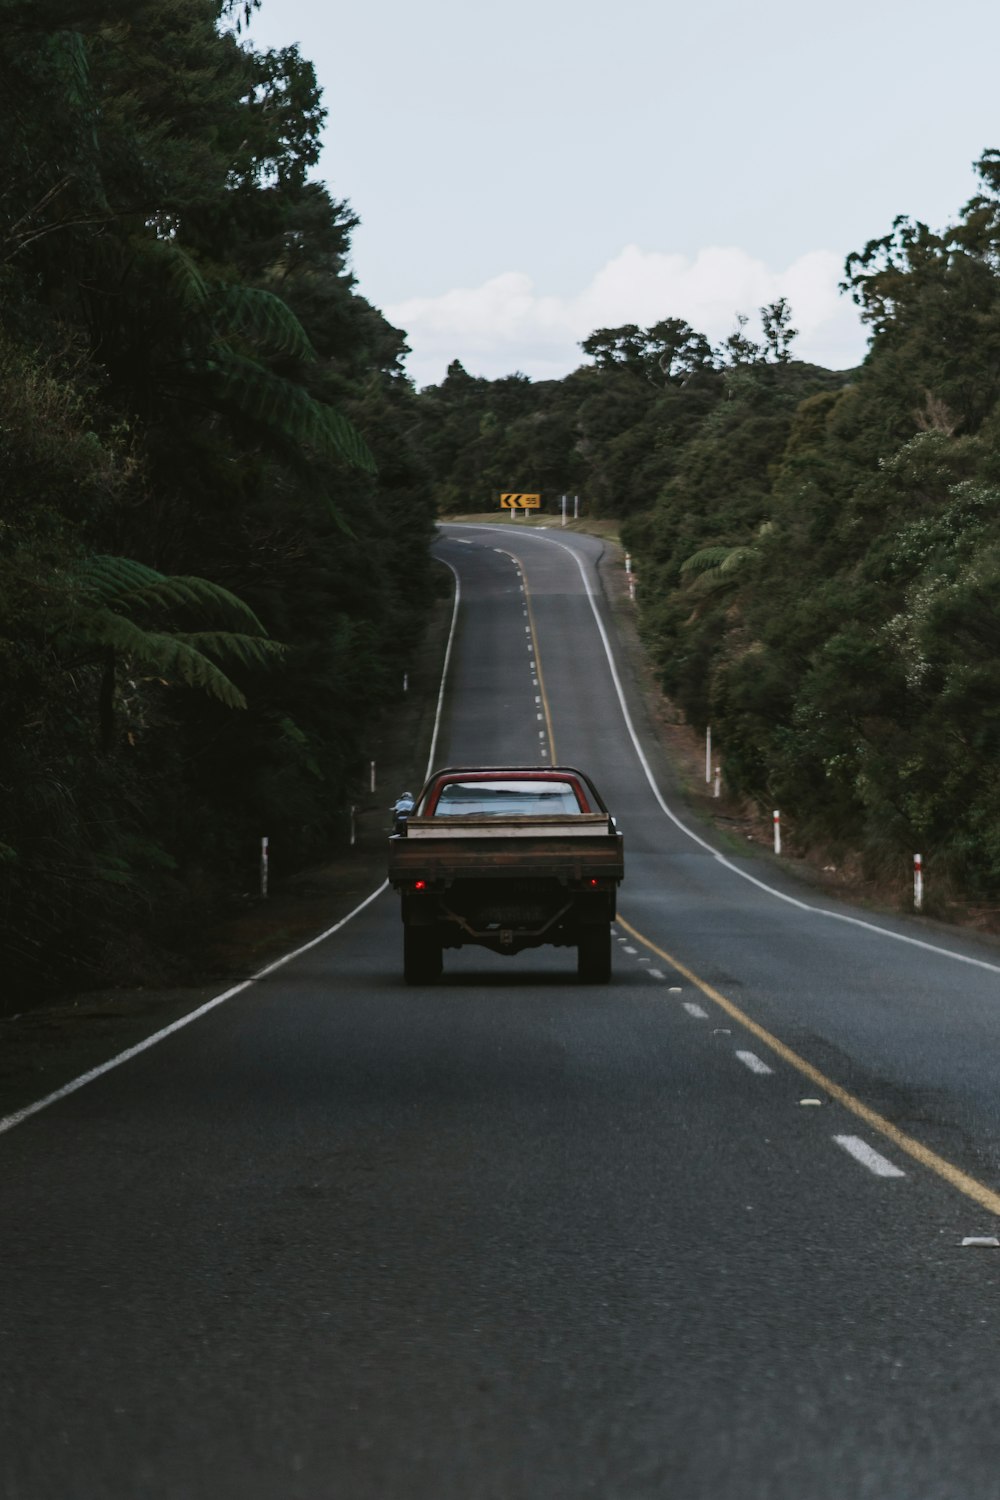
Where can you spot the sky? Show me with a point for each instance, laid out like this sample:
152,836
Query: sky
528,171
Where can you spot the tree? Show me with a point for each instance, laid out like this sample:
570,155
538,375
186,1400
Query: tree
776,321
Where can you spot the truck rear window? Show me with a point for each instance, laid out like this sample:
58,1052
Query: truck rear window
505,799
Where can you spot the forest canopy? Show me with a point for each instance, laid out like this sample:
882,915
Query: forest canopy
818,552
214,518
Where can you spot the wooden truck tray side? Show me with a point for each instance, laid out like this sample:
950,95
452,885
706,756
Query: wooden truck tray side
472,853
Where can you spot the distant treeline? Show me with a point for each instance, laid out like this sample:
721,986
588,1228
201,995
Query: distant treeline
213,516
818,553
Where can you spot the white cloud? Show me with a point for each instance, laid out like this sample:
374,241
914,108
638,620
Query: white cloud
505,325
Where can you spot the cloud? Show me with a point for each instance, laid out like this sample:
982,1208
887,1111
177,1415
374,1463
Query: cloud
506,325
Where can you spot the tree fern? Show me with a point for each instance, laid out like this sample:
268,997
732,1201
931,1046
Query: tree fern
708,559
131,586
248,650
111,591
166,655
263,319
177,267
717,564
287,410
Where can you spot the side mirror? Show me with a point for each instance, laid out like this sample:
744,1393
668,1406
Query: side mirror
401,810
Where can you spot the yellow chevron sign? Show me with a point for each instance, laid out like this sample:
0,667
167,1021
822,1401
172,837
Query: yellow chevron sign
520,502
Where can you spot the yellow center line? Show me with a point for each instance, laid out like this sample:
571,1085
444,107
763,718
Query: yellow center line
977,1191
538,668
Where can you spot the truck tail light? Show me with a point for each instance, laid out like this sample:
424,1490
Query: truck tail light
420,885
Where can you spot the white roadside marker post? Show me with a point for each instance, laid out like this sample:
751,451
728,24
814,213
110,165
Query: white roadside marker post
918,882
777,831
630,576
708,753
718,781
373,776
263,866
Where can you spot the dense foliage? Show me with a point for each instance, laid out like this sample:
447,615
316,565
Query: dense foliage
213,521
818,553
217,488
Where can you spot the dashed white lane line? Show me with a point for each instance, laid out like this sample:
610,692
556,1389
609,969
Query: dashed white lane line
876,1163
872,1160
754,1063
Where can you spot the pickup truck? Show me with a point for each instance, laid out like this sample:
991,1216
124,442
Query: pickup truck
508,858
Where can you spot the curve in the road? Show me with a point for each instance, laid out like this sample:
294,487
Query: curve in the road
899,937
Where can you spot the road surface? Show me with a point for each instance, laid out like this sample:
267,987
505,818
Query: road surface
697,1233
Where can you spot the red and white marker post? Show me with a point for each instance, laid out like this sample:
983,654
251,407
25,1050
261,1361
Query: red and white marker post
918,882
777,831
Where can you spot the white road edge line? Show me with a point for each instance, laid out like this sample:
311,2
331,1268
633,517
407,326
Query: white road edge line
876,1163
821,911
754,1063
7,1122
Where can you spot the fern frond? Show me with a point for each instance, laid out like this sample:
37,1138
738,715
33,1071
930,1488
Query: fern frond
179,270
191,593
125,584
286,409
708,557
263,319
717,560
167,655
738,556
248,650
107,578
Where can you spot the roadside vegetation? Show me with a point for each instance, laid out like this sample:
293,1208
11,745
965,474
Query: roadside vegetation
818,552
218,487
213,518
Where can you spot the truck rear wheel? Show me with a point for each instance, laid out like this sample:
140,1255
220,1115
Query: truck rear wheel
421,955
593,955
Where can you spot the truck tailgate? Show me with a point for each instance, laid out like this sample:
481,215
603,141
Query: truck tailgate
484,855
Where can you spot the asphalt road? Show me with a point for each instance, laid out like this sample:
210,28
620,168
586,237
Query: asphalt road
510,1237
